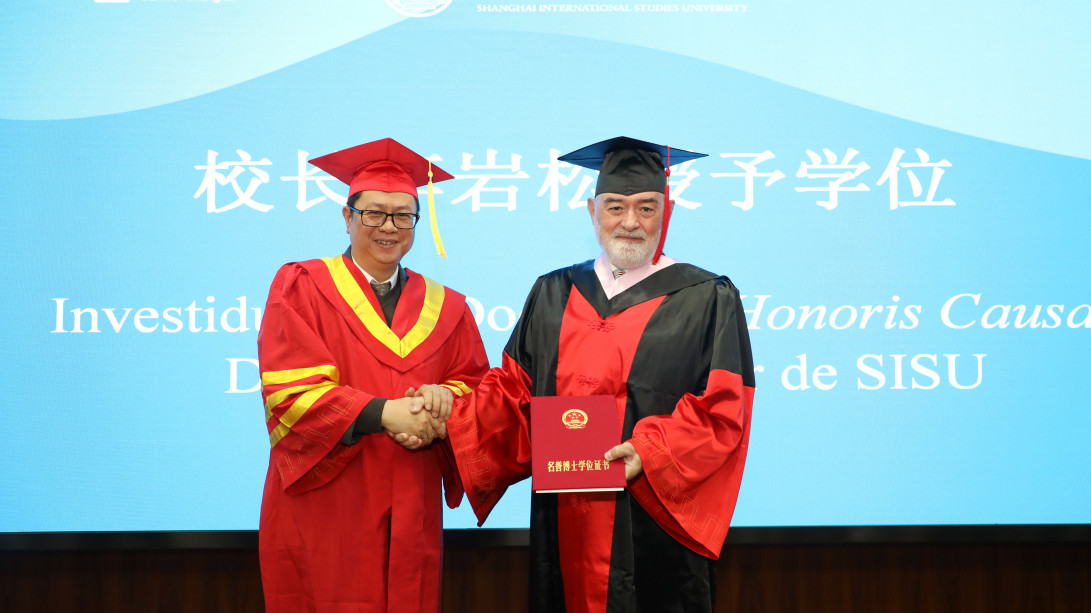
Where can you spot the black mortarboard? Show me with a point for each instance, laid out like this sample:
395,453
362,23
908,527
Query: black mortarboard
629,166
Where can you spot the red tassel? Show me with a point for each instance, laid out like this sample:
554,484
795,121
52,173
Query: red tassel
666,210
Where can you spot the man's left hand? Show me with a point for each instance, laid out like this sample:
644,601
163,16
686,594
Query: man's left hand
437,399
627,453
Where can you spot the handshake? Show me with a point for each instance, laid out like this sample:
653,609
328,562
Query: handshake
420,417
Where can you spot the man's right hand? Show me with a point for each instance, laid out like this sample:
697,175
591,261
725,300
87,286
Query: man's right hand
403,416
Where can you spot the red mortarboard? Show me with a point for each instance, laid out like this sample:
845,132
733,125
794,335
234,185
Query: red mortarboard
387,166
384,165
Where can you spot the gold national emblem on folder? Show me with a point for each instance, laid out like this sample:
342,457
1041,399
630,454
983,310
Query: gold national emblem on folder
569,435
574,419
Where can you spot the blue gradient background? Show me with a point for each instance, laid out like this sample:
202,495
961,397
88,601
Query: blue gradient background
101,128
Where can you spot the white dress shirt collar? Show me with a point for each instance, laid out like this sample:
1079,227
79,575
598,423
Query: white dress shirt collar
612,287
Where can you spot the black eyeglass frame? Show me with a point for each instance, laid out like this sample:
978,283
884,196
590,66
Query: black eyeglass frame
394,217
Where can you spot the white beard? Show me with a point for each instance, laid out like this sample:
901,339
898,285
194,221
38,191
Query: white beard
627,255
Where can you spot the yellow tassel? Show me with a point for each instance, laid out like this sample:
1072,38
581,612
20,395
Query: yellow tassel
432,215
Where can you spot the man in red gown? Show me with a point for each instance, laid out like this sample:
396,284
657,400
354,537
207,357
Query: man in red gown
669,342
350,348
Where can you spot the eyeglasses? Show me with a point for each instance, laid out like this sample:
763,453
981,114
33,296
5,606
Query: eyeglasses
375,219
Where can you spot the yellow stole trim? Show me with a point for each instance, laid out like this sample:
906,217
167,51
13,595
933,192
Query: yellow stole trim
353,294
280,377
309,393
458,387
296,411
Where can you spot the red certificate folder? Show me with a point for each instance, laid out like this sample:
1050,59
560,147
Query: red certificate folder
568,437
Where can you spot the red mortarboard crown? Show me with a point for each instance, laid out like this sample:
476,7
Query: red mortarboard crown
387,166
384,165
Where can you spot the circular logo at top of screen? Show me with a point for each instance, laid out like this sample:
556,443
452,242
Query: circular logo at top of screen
419,8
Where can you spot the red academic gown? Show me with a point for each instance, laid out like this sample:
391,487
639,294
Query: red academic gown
674,352
354,527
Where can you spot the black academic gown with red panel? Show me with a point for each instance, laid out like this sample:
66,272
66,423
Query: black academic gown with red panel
674,352
355,528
